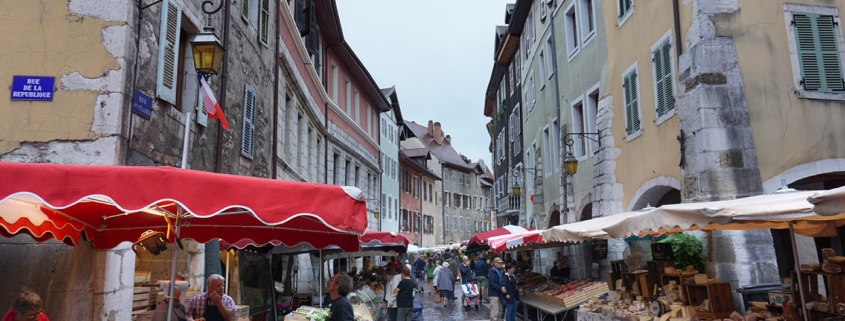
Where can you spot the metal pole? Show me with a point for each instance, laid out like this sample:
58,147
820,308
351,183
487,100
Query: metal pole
173,265
320,284
798,269
228,255
186,140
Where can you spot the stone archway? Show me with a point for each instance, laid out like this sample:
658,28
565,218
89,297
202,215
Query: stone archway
657,191
554,219
802,171
586,213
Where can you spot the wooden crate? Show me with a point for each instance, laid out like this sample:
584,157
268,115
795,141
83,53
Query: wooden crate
617,268
719,294
680,279
655,270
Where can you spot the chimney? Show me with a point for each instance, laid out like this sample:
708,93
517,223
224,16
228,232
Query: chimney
431,128
449,139
437,133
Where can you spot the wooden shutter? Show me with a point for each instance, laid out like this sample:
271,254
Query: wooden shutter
248,131
662,60
818,52
264,21
631,103
245,10
168,51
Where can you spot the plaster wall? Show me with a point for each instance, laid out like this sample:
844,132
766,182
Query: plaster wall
655,152
389,185
430,207
789,129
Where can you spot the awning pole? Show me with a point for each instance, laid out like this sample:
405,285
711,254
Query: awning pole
798,269
186,140
320,285
228,254
173,265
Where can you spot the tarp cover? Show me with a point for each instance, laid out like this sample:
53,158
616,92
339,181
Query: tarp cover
66,200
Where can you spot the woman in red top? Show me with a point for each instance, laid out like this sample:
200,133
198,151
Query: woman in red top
27,307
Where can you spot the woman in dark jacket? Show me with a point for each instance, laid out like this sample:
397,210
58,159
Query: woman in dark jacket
509,282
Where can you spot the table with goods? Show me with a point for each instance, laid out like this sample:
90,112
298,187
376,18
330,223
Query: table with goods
550,298
366,305
661,291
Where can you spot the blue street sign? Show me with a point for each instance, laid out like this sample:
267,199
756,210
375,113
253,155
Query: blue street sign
32,88
142,104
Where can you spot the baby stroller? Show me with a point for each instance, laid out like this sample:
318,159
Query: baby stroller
470,295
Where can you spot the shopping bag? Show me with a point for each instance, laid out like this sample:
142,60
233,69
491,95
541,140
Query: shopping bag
437,298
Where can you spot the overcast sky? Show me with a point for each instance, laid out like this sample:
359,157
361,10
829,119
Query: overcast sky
438,54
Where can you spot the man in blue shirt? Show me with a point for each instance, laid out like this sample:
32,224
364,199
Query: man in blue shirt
481,280
495,290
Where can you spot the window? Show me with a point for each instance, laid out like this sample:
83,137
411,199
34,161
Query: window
446,223
430,192
578,127
168,51
588,20
817,46
454,222
543,10
334,83
624,8
348,94
591,105
664,85
248,130
542,70
425,192
357,116
513,74
571,24
245,10
446,198
529,93
632,103
416,187
369,119
547,151
550,64
264,22
556,145
516,144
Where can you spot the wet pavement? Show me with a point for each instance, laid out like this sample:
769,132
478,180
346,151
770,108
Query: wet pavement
451,312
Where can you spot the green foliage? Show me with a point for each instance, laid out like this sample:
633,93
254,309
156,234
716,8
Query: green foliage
687,249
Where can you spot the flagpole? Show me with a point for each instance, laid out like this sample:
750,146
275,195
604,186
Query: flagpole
186,140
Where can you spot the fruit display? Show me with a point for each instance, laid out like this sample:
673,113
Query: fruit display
566,295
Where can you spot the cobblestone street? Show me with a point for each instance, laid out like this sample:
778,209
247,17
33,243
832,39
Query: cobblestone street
452,312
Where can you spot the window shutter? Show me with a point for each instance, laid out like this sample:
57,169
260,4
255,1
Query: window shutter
168,51
631,103
668,85
245,10
818,52
264,22
248,133
304,16
657,61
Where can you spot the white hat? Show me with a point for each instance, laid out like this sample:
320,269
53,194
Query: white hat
409,266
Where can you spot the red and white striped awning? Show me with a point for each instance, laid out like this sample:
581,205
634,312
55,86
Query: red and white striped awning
480,240
503,243
114,204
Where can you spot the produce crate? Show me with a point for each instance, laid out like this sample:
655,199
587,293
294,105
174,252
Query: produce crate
719,294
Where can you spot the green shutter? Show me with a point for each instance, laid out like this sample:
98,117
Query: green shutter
662,60
631,103
818,52
168,51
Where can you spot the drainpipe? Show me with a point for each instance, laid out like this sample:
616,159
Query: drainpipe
442,206
224,74
276,93
678,48
559,120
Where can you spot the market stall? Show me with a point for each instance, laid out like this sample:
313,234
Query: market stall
157,206
683,292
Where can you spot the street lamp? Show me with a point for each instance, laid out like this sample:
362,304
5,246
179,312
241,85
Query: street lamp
515,188
571,163
208,52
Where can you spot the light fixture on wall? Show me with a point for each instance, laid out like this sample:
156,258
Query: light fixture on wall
208,52
571,163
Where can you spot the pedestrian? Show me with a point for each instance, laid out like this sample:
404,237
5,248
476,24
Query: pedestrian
27,306
390,296
338,287
445,283
511,292
178,312
436,273
495,290
405,296
466,277
561,271
429,275
213,304
419,272
481,280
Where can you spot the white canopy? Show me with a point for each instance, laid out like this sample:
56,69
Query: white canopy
830,202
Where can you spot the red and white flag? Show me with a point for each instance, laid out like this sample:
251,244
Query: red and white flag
210,103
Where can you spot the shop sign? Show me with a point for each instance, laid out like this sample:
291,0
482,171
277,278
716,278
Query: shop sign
599,249
32,88
142,104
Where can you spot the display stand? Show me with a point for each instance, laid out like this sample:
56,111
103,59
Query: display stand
721,299
544,308
835,286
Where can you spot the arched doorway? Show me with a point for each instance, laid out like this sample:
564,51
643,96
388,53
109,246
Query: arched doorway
586,213
657,191
554,219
